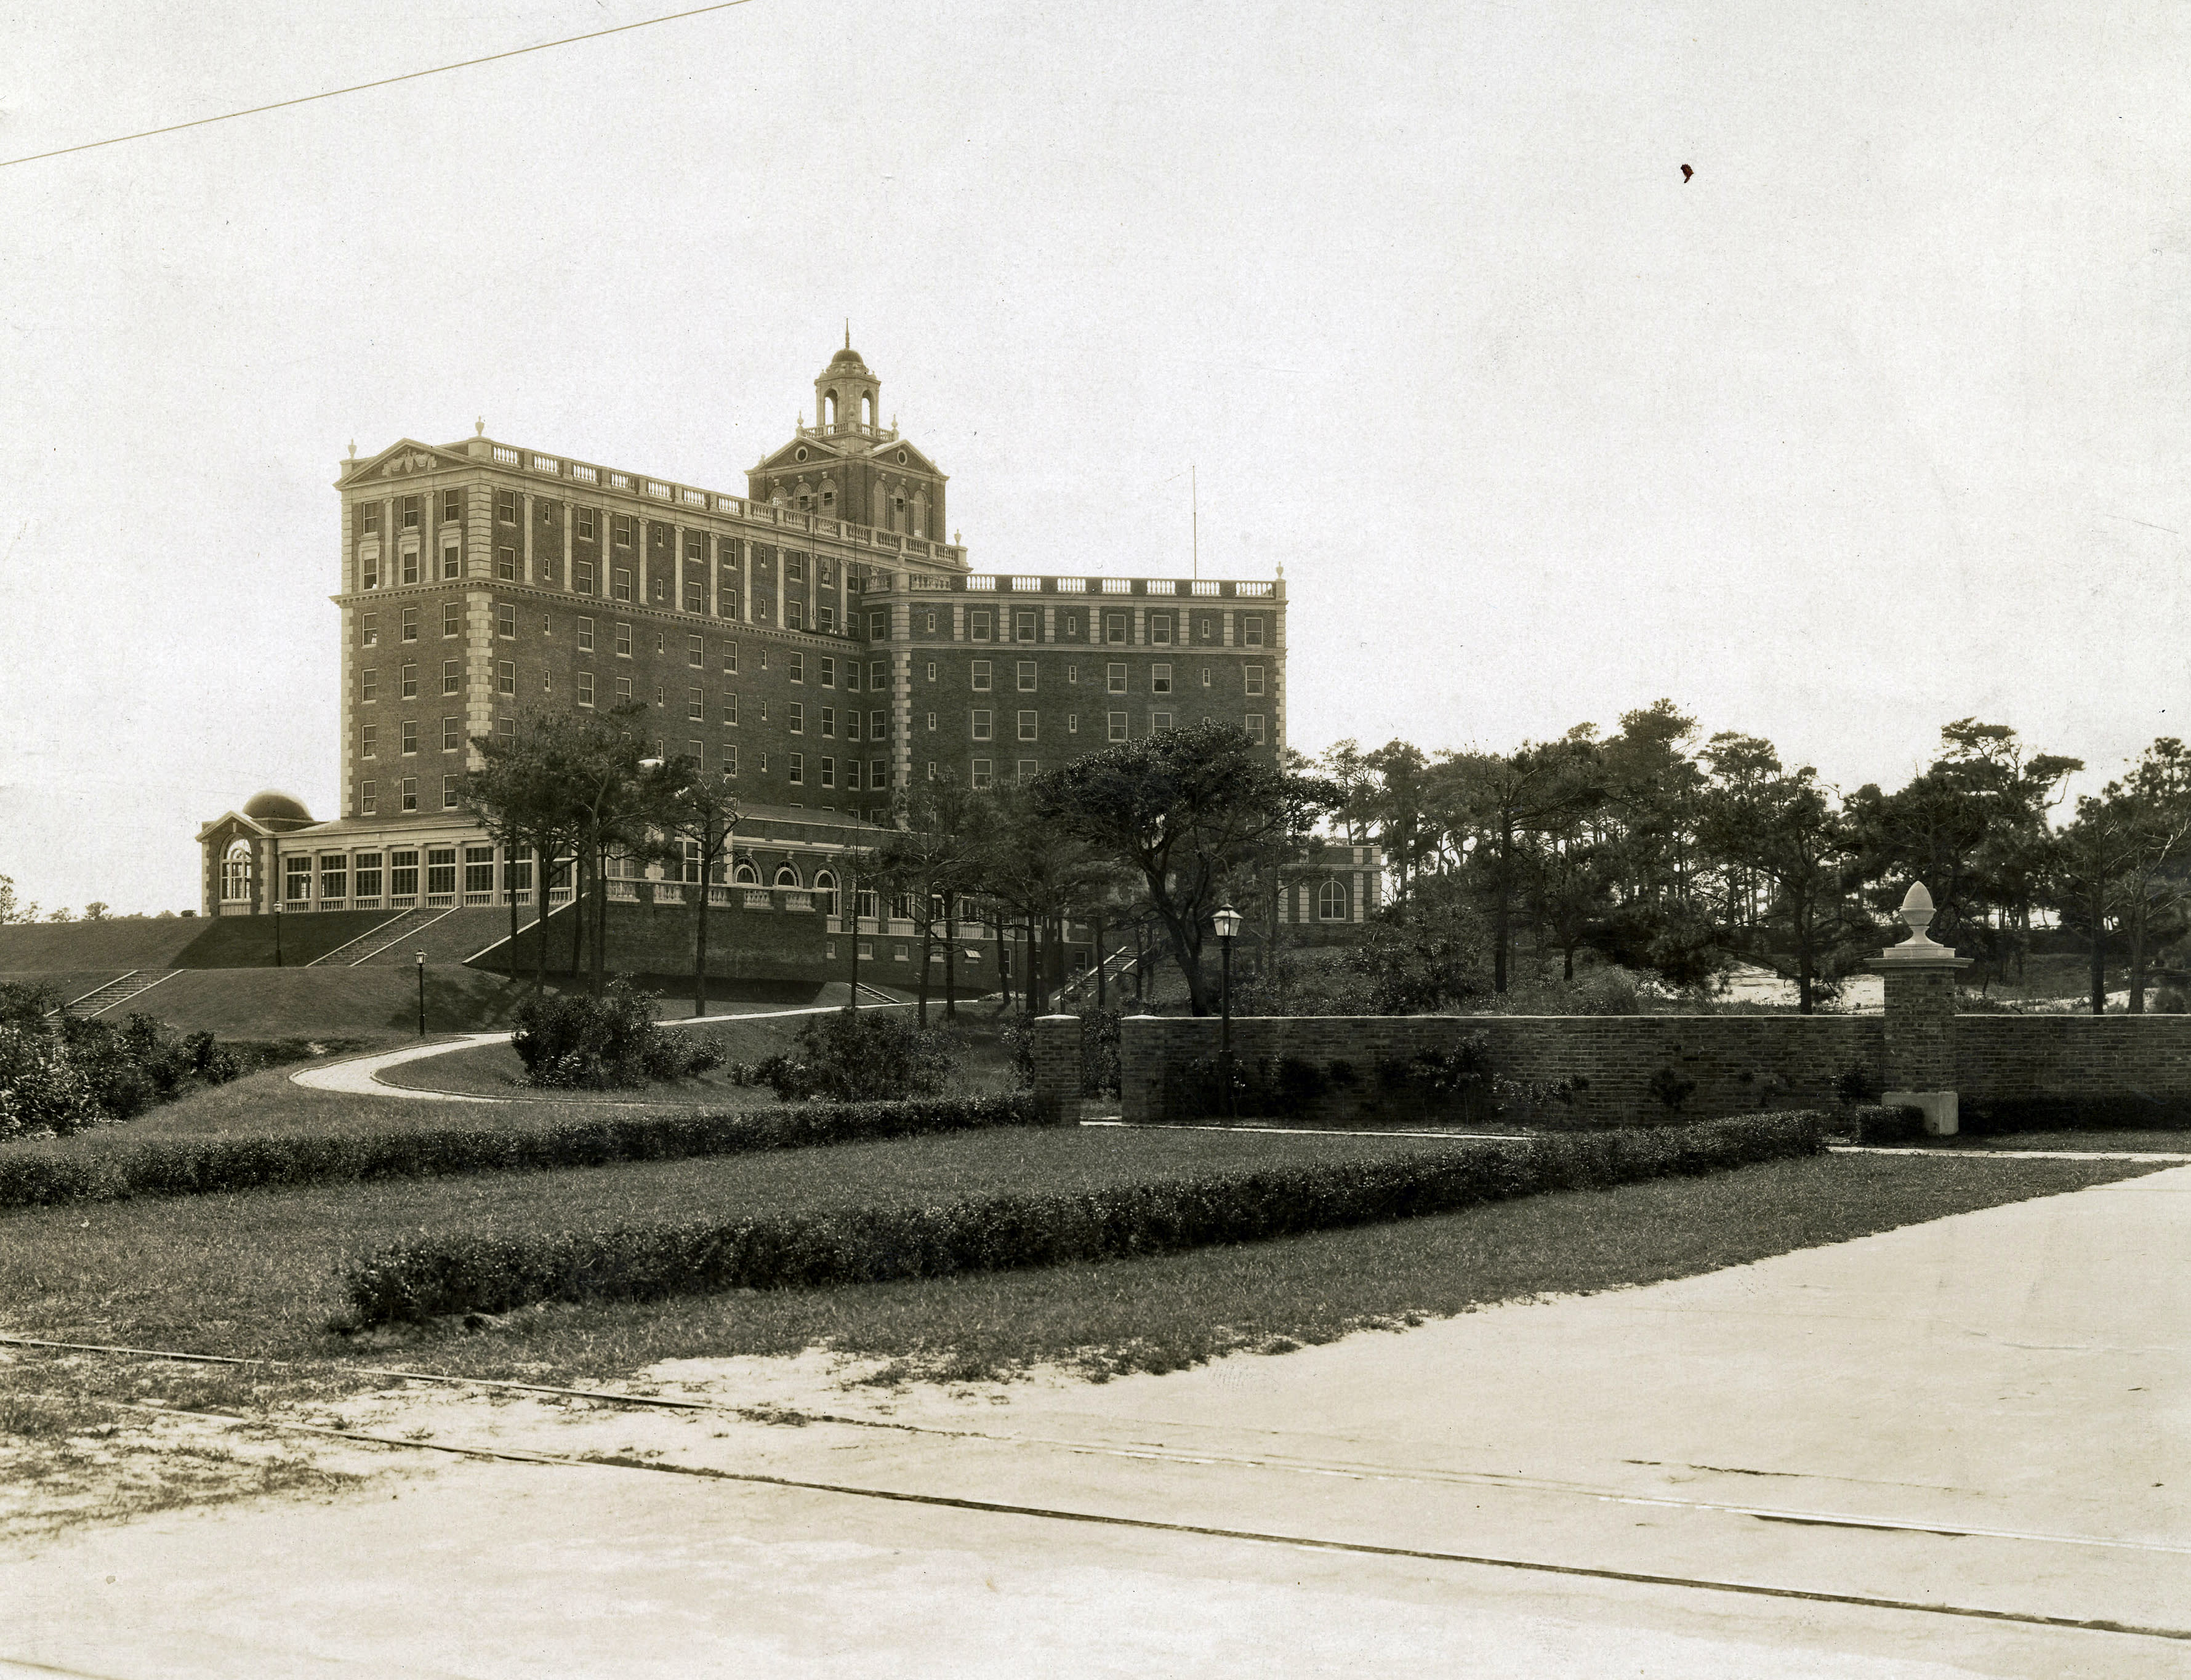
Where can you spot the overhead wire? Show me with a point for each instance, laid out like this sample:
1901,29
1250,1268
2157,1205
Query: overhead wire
382,82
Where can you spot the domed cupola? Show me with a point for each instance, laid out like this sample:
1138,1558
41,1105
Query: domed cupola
847,397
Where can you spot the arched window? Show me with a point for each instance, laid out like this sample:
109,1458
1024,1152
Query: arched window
746,875
867,410
825,893
787,876
1331,901
236,873
829,409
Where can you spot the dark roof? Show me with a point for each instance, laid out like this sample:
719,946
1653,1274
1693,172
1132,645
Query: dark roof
273,808
848,357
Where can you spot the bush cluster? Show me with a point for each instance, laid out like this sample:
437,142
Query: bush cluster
434,1276
1875,1123
863,1057
66,1074
569,1041
34,1175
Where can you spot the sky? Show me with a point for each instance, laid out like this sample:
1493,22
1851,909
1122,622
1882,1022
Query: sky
1874,421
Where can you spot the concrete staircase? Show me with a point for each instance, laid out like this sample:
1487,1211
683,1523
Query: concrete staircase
372,942
122,989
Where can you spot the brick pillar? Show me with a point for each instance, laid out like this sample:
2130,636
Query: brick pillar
1056,1069
1920,1037
1140,1068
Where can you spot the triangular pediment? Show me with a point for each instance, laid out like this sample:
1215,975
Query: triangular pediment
886,453
820,452
404,460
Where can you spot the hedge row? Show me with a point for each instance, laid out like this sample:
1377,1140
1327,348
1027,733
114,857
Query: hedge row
1875,1123
424,1279
42,1175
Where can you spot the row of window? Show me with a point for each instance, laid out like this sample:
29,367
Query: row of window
1024,623
980,725
980,676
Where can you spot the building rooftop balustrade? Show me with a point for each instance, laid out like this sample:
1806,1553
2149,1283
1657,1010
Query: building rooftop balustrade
925,583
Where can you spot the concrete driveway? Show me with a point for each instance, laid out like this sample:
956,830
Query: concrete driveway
1954,1449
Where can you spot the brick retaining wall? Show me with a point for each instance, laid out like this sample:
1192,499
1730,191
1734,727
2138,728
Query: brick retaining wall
1738,1062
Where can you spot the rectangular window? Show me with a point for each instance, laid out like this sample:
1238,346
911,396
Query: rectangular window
585,636
367,798
829,723
621,589
368,739
505,506
1115,626
1072,674
983,778
410,728
410,624
1027,726
453,619
506,565
624,641
977,624
505,619
695,597
368,628
1251,629
1159,722
931,723
581,576
795,717
585,688
368,868
410,565
410,506
452,505
1255,727
980,723
1160,629
794,768
622,528
730,759
479,870
409,795
1118,725
728,598
798,668
696,651
794,615
453,561
368,517
877,729
729,711
585,523
828,773
1160,678
875,674
452,733
368,571
1027,770
451,792
1072,723
623,690
1255,680
980,677
403,866
297,883
440,871
1114,677
878,625
453,676
368,685
1026,676
851,724
730,658
410,684
829,674
878,772
696,710
1205,676
505,676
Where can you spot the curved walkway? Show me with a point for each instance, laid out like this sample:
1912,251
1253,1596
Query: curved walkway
359,1076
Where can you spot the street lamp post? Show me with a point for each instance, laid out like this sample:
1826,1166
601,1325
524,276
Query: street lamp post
1227,921
421,994
277,933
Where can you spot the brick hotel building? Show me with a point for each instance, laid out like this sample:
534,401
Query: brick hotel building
814,641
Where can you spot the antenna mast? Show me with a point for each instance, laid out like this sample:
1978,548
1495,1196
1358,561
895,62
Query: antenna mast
1194,515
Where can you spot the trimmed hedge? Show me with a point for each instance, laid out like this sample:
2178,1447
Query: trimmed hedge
36,1175
1900,1124
434,1276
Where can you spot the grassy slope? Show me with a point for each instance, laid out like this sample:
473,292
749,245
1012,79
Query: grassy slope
113,945
270,1002
253,1275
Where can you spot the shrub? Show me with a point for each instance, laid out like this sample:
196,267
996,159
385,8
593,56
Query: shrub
1671,1086
36,1175
862,1057
460,1272
1897,1125
570,1041
65,1074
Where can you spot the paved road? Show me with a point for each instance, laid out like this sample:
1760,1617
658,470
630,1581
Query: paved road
359,1076
1947,1450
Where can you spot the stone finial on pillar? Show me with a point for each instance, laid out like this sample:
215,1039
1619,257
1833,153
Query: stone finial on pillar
1920,979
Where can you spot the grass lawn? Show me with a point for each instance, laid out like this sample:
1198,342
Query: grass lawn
2165,1142
253,1275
